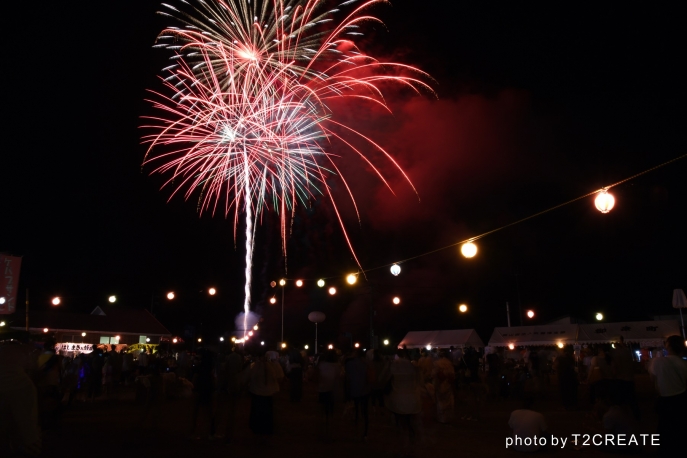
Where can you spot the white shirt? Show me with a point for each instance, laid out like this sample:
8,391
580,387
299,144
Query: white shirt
527,423
670,373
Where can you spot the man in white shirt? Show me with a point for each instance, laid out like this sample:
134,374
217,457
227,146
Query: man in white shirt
670,375
526,425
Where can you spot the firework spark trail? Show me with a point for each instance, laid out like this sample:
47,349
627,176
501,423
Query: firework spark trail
247,118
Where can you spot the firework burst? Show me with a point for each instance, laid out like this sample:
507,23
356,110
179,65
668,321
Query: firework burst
246,118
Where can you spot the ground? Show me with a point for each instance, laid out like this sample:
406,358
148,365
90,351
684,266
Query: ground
116,428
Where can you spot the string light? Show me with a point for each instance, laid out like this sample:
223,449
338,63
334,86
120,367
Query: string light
351,279
299,283
469,249
604,201
320,283
332,291
395,270
282,282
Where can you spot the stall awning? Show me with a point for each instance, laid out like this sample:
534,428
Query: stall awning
443,339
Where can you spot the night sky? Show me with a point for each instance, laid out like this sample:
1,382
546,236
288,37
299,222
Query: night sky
536,106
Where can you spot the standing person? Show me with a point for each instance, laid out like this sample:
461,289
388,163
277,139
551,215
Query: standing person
381,371
48,383
330,372
263,382
404,399
567,378
599,375
142,362
204,385
624,378
444,377
670,375
295,371
358,375
19,431
233,366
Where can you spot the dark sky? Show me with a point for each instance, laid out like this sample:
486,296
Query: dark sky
536,106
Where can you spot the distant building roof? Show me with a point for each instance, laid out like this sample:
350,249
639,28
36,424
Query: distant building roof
109,320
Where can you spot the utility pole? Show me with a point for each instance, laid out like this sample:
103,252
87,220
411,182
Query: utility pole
508,313
27,309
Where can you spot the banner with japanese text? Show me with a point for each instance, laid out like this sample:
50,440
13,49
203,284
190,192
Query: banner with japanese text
9,283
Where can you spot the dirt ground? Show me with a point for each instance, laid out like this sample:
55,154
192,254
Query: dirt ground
118,427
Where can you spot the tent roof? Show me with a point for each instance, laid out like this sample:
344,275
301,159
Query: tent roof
651,333
444,339
549,334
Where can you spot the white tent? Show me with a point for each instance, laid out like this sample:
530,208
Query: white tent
443,339
548,334
645,333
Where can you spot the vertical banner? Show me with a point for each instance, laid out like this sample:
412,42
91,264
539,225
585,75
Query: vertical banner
9,282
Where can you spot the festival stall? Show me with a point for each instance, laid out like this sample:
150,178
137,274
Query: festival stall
457,338
643,333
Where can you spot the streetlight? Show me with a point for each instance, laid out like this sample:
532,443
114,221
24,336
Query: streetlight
396,300
462,308
56,301
170,295
599,316
468,249
112,299
351,279
530,314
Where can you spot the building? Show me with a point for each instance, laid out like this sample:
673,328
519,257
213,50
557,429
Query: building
111,326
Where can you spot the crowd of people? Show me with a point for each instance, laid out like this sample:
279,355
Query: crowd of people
414,388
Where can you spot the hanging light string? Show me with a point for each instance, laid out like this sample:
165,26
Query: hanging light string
477,237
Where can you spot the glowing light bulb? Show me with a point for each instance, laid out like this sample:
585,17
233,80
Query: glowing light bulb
233,339
299,283
250,333
396,300
147,339
306,347
351,279
395,270
530,314
332,291
604,201
330,347
112,299
320,283
560,345
386,341
262,342
357,345
283,345
212,291
255,328
2,300
56,301
170,295
175,340
511,346
45,329
83,334
468,249
428,347
282,282
463,308
273,300
599,316
221,339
